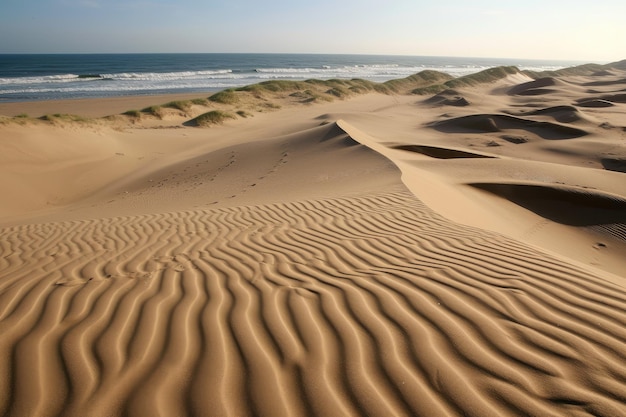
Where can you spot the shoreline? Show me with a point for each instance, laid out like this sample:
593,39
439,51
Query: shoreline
93,107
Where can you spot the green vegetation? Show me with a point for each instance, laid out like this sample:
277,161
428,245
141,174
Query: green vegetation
431,89
225,97
422,79
313,90
59,117
210,118
309,96
270,105
487,76
275,86
132,113
156,111
585,69
244,114
20,119
184,106
338,92
200,101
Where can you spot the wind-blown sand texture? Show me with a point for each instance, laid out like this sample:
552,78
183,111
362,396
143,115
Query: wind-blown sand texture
386,253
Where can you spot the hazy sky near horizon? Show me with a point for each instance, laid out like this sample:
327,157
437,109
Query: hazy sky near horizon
591,31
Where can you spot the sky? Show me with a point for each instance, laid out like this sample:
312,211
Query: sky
592,31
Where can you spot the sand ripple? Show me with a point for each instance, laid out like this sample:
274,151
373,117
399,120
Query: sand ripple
364,305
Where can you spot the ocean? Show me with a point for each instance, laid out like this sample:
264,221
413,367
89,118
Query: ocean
52,77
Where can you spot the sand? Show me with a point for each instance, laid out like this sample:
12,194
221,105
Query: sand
459,254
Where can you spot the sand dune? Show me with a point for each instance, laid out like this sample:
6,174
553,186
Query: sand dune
535,87
366,256
448,98
320,307
500,122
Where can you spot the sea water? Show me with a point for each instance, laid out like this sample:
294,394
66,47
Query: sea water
58,76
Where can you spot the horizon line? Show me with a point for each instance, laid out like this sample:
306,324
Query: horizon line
306,53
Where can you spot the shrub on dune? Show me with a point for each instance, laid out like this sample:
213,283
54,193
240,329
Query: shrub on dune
210,118
58,117
184,106
132,113
275,86
156,111
225,97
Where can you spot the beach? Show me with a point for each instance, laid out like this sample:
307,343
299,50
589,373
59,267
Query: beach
426,246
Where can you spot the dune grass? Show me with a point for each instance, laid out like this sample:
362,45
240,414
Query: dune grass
309,96
244,114
487,76
422,79
225,97
200,101
132,113
275,86
156,111
63,117
182,105
210,118
585,69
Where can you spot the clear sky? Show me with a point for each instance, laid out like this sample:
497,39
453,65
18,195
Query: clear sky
593,31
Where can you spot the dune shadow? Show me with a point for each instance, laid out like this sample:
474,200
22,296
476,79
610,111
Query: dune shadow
606,100
606,82
570,206
489,123
614,164
534,88
335,134
439,153
562,114
594,103
448,98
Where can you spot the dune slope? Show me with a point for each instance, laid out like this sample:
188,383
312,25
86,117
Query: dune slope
363,305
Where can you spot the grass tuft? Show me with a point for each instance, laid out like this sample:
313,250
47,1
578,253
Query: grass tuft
156,111
431,89
244,114
132,113
200,101
210,118
275,86
225,97
62,117
486,76
184,106
337,91
422,79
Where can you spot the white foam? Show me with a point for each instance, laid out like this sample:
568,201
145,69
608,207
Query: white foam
120,83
